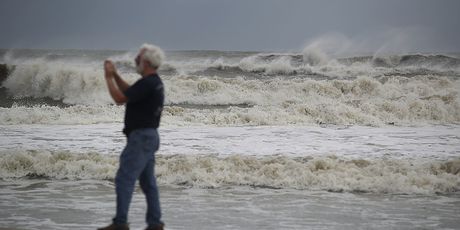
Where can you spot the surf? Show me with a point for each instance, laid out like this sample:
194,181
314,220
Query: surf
337,174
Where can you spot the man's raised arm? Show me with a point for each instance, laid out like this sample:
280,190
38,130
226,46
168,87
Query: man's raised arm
115,90
122,84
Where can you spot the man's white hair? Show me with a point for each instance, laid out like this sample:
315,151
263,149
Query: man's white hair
153,54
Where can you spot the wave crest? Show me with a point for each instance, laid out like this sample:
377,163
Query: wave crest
320,173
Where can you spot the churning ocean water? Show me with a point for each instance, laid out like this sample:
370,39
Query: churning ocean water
248,141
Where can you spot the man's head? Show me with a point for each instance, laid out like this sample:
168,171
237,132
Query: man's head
149,59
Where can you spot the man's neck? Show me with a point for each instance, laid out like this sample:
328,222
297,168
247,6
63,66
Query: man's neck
148,73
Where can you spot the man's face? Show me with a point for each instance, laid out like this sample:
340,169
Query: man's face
138,61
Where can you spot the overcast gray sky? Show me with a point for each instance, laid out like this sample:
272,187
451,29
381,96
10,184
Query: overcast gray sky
270,25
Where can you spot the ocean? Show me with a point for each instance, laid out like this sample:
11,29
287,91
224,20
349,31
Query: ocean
249,140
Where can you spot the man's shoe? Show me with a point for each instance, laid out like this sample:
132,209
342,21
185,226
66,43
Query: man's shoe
155,227
115,227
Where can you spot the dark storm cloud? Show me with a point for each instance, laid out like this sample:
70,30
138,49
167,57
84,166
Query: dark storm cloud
424,25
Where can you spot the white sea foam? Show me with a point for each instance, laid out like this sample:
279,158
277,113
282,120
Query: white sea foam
59,81
56,165
318,173
324,56
240,100
274,101
281,101
280,65
77,114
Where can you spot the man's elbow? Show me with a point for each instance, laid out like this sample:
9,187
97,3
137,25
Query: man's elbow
120,100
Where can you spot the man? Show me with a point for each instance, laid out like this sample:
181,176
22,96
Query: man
144,104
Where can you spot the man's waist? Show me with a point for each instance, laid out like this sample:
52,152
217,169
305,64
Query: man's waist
128,129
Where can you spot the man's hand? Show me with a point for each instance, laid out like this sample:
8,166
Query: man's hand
109,69
114,90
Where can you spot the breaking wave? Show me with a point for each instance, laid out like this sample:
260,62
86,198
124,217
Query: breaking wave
59,81
306,173
312,60
313,63
243,89
240,101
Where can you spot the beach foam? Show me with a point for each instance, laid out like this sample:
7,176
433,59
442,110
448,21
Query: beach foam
416,176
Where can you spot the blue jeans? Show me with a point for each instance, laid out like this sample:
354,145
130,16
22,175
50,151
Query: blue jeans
137,161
